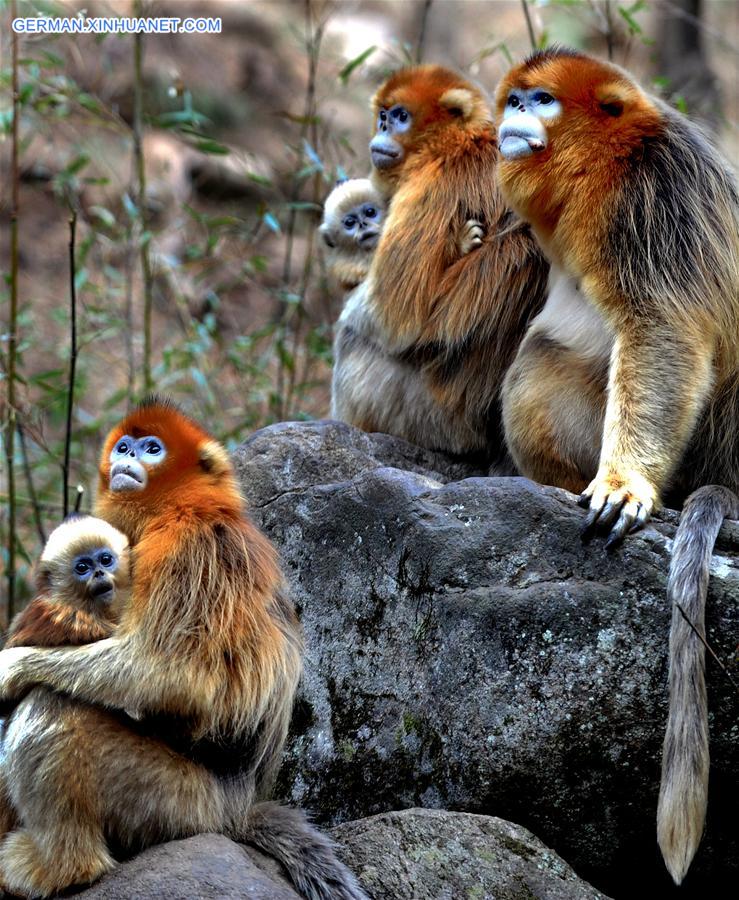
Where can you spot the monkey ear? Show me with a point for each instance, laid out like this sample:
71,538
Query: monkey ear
465,104
611,100
327,237
213,458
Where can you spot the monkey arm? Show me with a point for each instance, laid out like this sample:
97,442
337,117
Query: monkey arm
660,378
506,277
109,673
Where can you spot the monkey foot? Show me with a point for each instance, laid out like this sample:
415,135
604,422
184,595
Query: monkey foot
618,505
26,870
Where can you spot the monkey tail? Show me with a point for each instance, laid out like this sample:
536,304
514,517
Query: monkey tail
307,854
683,793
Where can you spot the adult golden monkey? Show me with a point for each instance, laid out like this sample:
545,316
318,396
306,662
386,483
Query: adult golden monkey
423,343
208,652
626,386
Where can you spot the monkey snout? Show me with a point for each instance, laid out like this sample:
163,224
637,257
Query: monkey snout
128,475
521,136
384,151
102,589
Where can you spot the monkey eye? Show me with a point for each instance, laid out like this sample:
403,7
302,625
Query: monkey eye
350,222
153,448
106,559
370,212
383,115
122,447
81,567
543,98
399,113
513,101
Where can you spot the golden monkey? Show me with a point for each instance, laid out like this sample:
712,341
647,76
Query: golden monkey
82,582
423,343
626,386
353,214
208,650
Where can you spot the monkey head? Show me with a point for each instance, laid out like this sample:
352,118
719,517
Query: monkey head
85,558
352,216
154,459
416,109
567,124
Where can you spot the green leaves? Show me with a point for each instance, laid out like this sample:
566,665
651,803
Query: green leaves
346,72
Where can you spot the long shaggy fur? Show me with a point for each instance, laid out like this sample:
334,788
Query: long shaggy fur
683,793
208,652
306,854
630,374
631,200
423,343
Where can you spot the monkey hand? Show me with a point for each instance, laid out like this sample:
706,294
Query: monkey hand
471,236
14,675
618,504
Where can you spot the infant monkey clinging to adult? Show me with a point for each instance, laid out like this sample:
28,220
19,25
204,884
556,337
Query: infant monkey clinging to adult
82,580
353,217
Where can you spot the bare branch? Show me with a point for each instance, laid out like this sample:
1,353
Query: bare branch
72,359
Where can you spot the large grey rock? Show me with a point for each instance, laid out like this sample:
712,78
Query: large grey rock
412,855
466,651
423,854
206,867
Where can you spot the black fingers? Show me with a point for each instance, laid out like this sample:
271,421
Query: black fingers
614,518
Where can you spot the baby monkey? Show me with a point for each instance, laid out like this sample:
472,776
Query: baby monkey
353,218
352,222
82,580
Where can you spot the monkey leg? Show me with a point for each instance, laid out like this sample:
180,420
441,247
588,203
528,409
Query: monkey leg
553,411
36,864
77,775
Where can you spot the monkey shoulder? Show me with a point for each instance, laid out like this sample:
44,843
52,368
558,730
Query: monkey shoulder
674,218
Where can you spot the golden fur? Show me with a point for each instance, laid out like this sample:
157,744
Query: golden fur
626,386
423,343
208,651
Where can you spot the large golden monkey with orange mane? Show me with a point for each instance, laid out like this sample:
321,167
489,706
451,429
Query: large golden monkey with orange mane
424,341
208,652
626,386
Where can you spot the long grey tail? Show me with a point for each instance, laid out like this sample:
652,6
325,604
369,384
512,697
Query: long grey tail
683,793
306,853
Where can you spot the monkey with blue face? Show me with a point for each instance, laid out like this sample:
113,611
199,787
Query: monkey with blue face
353,216
82,581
